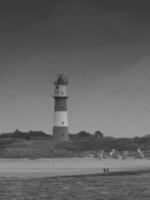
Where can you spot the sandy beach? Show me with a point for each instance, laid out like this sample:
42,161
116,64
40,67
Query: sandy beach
67,166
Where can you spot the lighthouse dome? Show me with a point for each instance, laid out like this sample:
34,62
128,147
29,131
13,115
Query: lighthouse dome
61,80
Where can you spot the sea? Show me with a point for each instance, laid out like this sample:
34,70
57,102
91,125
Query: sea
127,187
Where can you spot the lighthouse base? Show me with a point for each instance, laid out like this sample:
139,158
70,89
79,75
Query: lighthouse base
60,134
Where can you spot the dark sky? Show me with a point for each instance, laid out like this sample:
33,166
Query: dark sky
103,46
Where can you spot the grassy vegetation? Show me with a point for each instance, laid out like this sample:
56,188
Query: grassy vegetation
38,144
20,148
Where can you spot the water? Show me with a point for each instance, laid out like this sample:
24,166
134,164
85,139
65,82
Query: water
76,188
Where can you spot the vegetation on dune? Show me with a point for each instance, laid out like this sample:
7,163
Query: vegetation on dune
25,135
36,144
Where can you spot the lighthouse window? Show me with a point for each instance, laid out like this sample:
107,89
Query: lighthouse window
62,93
62,123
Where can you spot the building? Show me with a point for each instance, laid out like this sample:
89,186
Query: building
60,123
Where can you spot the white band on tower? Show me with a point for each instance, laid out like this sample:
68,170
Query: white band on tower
60,118
61,91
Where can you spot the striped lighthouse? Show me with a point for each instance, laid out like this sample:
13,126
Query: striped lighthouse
60,123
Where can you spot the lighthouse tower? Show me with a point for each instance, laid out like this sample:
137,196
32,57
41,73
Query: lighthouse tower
60,123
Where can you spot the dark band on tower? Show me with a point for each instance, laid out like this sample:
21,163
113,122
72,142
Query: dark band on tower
60,126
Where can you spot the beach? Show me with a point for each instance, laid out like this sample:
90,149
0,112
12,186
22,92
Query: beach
67,166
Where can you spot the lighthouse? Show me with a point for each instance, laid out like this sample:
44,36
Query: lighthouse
60,122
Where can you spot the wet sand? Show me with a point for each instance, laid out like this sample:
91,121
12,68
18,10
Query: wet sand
67,166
